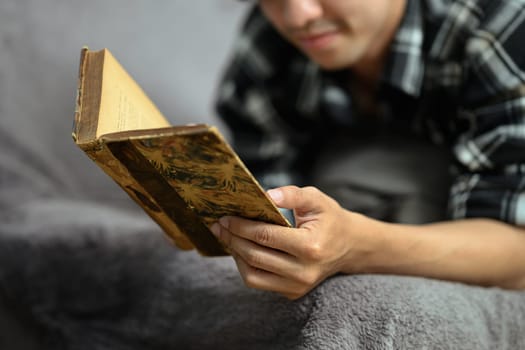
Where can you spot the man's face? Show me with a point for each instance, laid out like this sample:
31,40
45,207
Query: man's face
336,33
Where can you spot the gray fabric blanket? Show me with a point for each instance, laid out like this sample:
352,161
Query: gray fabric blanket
97,277
86,270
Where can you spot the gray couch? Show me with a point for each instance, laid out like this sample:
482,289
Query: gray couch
81,267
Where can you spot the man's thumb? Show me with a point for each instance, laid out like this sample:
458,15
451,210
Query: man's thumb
302,200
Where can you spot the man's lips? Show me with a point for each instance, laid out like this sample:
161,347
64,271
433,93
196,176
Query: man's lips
318,41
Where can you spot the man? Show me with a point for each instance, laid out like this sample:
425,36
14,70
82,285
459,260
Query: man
445,71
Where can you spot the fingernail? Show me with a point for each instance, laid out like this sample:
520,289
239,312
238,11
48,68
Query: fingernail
215,229
275,194
224,222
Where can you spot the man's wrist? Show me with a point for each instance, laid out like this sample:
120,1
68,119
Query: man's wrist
384,248
367,238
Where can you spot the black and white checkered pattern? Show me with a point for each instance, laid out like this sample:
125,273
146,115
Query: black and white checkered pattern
455,74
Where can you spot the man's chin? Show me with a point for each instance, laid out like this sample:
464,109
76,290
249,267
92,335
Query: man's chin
330,59
331,63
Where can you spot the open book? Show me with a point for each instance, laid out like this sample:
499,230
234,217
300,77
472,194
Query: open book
185,177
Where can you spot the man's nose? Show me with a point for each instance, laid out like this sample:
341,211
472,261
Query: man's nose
298,13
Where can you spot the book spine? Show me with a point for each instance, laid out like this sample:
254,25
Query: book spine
99,152
78,98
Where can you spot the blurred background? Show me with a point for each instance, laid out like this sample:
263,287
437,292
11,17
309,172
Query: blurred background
175,49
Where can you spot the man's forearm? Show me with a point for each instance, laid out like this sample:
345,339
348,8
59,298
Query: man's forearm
476,251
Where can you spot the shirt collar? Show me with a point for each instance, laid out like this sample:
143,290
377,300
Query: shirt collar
404,68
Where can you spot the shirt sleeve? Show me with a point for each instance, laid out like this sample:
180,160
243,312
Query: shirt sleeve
490,150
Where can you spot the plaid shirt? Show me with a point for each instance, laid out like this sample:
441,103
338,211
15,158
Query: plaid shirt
455,75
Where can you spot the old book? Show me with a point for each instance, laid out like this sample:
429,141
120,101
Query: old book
185,177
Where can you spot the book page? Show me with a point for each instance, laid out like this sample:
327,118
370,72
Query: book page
124,105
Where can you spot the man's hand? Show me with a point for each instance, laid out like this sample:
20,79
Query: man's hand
291,261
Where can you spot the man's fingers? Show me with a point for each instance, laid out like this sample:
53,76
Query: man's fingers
267,235
265,268
264,280
258,255
267,259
